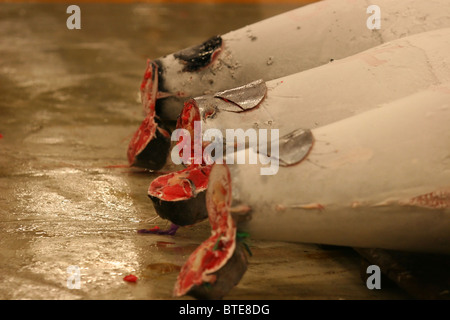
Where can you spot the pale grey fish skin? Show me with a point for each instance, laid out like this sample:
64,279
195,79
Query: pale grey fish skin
300,101
288,43
371,180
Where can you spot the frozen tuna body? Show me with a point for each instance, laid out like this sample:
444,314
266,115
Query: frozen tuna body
219,263
288,43
291,103
335,91
379,179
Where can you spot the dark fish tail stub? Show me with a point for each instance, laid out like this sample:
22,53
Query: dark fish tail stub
149,146
219,263
180,196
226,277
200,56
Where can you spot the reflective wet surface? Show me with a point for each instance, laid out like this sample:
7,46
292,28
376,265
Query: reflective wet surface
69,104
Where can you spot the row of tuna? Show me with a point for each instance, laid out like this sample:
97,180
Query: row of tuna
360,135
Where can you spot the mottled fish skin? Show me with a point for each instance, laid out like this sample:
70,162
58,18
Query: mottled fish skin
150,144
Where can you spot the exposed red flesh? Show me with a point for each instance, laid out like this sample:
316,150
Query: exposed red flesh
189,114
144,134
186,120
199,176
202,263
149,87
150,137
180,185
214,253
180,196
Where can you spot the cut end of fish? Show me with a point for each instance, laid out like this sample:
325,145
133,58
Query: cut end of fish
149,146
219,263
180,196
149,87
226,278
218,198
186,120
188,116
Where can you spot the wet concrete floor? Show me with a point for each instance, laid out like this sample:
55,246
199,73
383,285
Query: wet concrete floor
68,106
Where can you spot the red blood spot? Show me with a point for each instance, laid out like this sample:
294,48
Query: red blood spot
130,278
154,228
1,136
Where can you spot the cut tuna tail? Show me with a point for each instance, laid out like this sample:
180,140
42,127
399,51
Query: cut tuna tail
219,263
180,196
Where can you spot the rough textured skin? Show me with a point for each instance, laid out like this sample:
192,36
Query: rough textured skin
154,155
